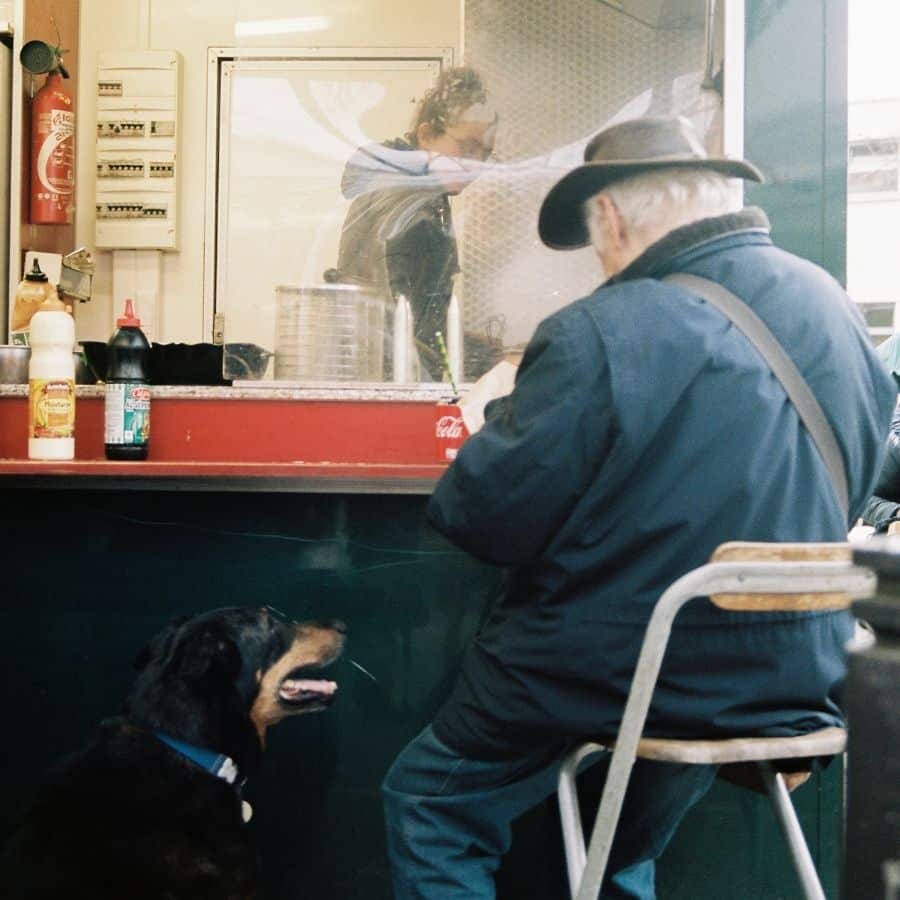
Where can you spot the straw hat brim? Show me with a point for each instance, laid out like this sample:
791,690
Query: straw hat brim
561,223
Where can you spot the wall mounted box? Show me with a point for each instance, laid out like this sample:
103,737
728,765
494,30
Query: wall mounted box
138,97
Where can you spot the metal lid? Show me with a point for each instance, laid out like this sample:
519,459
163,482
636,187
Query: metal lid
342,288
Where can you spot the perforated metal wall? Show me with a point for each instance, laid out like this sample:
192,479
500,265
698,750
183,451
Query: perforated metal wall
557,71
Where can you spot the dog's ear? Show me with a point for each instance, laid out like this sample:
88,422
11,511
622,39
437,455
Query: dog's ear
210,652
159,645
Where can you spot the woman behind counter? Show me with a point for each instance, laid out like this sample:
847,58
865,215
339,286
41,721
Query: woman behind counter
398,235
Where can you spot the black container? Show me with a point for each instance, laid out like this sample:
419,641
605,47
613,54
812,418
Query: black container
127,407
872,861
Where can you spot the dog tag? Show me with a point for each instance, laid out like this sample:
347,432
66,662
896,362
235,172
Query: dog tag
246,811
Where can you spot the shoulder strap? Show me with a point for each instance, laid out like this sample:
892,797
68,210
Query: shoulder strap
794,384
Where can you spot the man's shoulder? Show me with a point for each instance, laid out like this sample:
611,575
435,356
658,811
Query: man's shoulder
638,298
616,314
610,293
786,261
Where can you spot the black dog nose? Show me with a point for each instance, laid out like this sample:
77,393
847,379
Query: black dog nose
336,625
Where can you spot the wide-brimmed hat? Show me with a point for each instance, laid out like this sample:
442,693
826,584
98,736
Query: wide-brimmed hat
638,145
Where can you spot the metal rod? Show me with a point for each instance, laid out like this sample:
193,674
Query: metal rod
793,833
401,341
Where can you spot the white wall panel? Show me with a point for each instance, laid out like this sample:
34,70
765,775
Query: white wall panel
105,25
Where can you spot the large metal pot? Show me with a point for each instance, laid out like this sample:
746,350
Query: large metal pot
330,332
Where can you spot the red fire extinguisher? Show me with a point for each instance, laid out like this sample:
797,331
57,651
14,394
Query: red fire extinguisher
52,154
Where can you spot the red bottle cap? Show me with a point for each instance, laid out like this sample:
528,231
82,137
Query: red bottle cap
129,320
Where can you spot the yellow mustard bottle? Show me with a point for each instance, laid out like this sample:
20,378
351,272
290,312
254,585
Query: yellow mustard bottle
51,386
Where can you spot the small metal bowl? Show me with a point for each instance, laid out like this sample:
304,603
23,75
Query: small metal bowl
246,361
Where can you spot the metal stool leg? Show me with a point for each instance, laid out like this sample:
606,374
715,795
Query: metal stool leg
793,833
570,814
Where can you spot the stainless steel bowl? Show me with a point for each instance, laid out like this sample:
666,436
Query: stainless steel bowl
14,366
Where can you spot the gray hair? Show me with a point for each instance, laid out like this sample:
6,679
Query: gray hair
656,202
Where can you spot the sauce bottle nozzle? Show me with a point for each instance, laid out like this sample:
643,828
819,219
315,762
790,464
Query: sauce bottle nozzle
129,320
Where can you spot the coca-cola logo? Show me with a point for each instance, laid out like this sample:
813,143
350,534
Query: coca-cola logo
449,427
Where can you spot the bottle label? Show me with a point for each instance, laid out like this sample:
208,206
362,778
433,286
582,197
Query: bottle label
51,408
127,414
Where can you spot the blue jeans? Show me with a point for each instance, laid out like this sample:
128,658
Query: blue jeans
448,818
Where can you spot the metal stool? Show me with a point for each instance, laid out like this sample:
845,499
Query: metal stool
748,577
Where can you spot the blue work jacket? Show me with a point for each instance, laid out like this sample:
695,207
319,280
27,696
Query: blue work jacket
645,430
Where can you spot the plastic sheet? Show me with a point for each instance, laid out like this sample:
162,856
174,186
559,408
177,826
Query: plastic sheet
419,218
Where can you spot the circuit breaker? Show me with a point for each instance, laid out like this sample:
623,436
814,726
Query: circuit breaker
138,94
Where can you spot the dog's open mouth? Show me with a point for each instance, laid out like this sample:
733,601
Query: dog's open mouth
298,690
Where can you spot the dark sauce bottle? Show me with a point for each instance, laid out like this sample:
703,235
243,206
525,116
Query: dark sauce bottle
127,406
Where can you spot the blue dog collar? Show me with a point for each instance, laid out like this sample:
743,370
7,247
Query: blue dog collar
215,763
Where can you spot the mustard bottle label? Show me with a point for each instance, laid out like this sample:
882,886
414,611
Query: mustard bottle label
51,408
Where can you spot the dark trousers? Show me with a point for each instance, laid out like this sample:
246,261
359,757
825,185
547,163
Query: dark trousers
448,818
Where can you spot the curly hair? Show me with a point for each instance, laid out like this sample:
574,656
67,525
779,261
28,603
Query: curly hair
443,104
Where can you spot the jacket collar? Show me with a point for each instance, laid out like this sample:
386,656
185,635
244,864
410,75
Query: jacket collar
676,247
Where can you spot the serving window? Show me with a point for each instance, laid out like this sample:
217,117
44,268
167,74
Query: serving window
356,247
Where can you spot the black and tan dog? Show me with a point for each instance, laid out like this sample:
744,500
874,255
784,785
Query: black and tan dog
152,810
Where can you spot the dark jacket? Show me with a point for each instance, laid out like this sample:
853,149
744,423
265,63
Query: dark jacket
398,237
644,431
884,504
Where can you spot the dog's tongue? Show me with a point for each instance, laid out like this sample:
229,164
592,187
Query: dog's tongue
291,688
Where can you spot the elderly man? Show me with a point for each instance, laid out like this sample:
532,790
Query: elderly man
643,431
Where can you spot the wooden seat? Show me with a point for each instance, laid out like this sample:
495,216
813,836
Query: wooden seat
741,577
826,742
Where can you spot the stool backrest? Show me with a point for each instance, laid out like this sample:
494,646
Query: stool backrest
743,551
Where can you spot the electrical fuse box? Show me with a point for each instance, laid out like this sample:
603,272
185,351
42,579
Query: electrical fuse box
136,197
132,209
120,168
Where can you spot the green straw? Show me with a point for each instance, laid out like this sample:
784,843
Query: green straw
445,360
